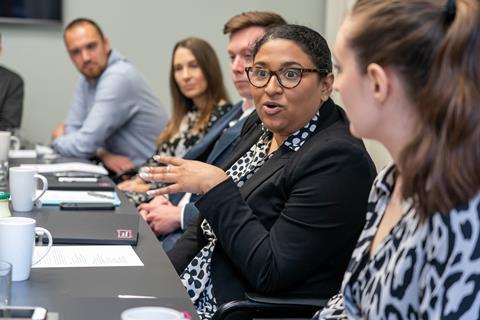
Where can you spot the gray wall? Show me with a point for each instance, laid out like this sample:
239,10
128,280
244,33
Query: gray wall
335,11
143,30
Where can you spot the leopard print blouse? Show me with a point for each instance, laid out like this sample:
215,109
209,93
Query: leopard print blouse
421,270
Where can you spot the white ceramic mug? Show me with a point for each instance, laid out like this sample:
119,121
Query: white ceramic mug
23,185
17,239
152,313
6,140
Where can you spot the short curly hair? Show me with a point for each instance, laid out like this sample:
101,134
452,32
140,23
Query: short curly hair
312,42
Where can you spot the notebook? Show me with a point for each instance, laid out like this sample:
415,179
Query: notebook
55,197
92,183
73,227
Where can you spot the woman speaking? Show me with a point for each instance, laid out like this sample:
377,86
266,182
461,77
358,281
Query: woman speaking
284,215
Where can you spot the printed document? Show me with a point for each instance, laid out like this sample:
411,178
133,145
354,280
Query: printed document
87,256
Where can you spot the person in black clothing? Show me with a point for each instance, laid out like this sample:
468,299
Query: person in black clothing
283,215
11,98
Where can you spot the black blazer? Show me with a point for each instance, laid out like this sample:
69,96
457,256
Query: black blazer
291,228
11,99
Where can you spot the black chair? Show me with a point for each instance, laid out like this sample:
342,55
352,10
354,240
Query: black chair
259,306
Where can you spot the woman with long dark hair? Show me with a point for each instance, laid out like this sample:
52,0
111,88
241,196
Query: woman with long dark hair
199,100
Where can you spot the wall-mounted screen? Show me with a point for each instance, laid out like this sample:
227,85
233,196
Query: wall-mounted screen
31,11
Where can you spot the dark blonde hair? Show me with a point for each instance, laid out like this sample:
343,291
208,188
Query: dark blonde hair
244,20
435,48
208,62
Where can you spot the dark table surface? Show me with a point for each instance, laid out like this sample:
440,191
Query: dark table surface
92,293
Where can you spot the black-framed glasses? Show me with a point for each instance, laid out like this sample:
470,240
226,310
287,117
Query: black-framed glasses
288,78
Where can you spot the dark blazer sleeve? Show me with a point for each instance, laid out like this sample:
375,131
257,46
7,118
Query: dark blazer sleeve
11,106
325,191
185,249
190,214
191,241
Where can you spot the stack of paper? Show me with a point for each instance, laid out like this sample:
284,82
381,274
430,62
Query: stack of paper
67,166
15,154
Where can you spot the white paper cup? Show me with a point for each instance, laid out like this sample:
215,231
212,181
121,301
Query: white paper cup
152,313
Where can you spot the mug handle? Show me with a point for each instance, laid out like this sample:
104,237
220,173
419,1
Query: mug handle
44,186
16,142
50,242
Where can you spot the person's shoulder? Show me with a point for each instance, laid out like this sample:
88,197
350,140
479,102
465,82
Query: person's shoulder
458,228
119,65
252,123
121,75
450,241
341,126
10,74
336,134
451,252
332,143
222,108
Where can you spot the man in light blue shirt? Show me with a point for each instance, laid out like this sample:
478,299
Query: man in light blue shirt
114,115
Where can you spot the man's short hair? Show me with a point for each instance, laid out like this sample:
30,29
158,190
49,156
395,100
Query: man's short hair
244,20
80,21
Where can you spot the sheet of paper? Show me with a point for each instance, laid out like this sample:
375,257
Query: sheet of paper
55,197
30,154
67,166
87,256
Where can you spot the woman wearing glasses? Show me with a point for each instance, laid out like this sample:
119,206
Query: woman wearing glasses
283,218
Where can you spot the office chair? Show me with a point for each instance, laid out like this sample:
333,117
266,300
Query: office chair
259,306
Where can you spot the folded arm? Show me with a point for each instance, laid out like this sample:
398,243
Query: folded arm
115,162
111,110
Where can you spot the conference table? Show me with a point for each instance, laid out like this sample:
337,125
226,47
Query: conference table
92,292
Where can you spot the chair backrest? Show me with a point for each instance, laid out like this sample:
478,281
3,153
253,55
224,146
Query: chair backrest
260,306
255,297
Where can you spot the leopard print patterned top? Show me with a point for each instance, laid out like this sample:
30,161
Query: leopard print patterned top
421,270
179,144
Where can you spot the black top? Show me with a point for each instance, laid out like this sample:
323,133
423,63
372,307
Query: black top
291,228
11,99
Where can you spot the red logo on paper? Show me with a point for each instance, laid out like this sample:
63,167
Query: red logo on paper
124,234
